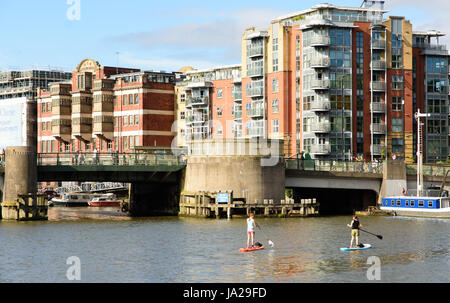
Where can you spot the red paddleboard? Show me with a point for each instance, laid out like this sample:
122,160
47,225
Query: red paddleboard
249,249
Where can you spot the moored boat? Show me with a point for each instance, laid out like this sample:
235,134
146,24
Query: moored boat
72,200
105,200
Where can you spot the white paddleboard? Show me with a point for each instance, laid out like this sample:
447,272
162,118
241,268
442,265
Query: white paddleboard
366,246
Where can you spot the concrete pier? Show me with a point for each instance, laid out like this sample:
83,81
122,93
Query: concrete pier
20,199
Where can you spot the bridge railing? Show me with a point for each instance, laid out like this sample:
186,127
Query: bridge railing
334,166
437,170
109,159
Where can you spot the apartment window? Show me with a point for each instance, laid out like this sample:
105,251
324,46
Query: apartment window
136,120
125,120
275,126
437,86
219,112
182,115
397,104
397,82
275,106
275,86
130,99
436,65
136,99
219,93
183,98
397,145
124,100
397,125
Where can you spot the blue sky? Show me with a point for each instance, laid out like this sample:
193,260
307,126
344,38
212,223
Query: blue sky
158,35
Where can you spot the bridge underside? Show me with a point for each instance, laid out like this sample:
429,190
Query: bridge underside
128,174
337,193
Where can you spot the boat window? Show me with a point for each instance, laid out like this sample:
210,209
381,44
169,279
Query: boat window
406,203
399,202
392,202
413,203
421,203
430,203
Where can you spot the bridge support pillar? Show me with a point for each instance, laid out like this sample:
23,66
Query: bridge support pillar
394,179
154,199
20,200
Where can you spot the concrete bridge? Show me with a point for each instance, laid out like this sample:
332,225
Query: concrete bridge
157,179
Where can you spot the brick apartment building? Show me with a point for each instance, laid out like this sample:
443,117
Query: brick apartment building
336,82
106,109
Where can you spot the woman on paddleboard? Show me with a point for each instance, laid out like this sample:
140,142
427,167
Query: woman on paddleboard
251,225
355,225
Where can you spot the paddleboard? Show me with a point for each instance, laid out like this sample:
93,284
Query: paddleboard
249,249
366,246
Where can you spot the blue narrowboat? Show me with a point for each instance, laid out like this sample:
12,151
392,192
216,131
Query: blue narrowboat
432,207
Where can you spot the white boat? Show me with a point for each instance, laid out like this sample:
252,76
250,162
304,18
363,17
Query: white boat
72,200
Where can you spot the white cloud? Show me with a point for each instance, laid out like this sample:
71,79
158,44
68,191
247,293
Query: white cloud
215,41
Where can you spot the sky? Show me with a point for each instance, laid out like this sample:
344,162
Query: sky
157,35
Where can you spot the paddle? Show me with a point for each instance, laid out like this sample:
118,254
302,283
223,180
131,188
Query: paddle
378,236
269,241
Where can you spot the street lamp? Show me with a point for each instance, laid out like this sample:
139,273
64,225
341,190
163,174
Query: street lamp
419,152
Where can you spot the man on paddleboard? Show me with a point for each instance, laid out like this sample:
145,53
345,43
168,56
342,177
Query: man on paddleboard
251,225
355,225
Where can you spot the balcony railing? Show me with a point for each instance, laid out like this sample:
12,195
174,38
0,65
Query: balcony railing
255,51
196,119
337,166
321,149
378,44
377,149
320,106
321,127
237,114
320,41
379,128
378,107
255,72
255,112
197,101
320,84
378,65
237,95
439,47
320,62
255,92
255,132
378,86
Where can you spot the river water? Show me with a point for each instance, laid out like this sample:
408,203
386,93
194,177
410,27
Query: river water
115,248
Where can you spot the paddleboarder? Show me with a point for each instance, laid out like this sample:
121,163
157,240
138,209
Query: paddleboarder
251,225
355,225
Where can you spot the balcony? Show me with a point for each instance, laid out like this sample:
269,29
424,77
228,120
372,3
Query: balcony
197,101
320,84
255,52
195,119
378,65
377,149
378,44
237,96
255,112
378,128
62,107
378,86
255,92
321,149
378,107
238,115
320,41
318,106
320,63
255,72
255,132
321,127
